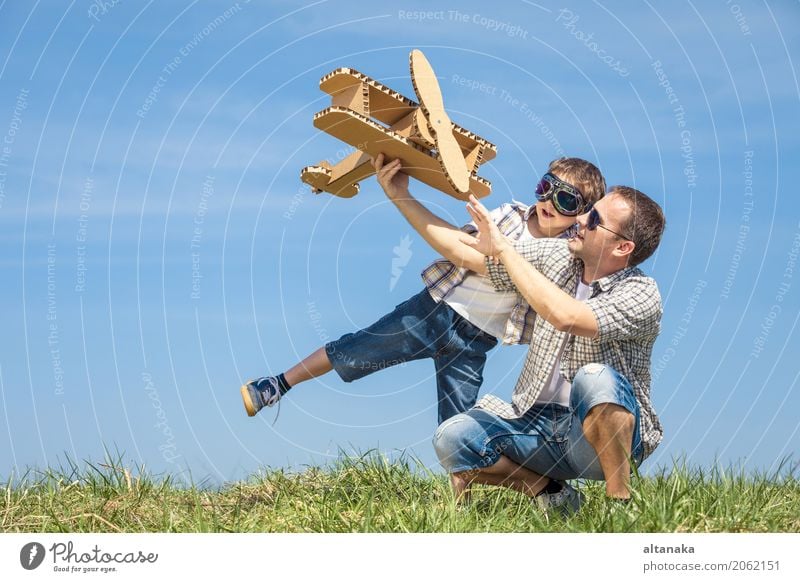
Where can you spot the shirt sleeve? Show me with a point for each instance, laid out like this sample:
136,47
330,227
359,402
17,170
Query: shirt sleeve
536,251
498,276
631,310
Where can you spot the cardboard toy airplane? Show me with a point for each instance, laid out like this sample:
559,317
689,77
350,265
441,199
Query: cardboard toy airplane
375,119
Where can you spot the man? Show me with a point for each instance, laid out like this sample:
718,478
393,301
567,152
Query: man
581,407
458,317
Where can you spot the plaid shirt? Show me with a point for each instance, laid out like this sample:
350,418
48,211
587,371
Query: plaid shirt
441,276
627,306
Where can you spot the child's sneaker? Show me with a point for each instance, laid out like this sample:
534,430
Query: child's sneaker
259,393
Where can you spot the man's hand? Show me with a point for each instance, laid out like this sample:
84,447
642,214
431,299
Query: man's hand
490,241
392,180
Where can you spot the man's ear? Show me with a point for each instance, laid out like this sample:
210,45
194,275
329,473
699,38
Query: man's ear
625,249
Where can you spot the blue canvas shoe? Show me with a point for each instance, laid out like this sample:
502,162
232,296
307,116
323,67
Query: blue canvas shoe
258,393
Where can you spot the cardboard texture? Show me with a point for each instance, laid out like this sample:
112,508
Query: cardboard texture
375,119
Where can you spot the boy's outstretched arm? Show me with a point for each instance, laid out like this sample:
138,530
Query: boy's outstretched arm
439,234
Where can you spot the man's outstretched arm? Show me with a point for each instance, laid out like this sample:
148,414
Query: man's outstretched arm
564,312
439,234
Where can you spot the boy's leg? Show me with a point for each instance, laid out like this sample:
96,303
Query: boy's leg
417,328
312,366
266,391
459,368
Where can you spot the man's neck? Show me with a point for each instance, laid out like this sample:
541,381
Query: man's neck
592,273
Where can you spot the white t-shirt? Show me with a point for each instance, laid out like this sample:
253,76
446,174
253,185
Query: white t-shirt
476,300
558,389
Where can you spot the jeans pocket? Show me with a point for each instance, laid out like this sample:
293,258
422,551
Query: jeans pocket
561,420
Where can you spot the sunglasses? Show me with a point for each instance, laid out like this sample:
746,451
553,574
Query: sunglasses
567,199
594,221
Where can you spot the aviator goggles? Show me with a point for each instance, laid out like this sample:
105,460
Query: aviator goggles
594,221
567,199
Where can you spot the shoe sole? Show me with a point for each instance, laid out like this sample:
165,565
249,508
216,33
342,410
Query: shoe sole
248,402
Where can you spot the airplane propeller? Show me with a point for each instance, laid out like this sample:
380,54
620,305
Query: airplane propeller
426,86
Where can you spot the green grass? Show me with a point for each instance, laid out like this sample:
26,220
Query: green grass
372,494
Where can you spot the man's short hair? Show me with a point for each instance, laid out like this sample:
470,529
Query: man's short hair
644,226
583,175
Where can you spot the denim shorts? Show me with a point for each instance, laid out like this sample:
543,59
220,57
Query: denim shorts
420,328
548,439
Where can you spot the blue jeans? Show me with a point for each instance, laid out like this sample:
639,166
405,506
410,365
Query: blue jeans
548,439
420,328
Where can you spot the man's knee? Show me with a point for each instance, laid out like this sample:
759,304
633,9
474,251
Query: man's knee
449,437
596,384
588,381
455,443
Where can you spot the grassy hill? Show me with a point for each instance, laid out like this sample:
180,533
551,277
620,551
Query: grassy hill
371,494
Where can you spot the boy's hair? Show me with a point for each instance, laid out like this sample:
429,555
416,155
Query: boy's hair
583,175
644,226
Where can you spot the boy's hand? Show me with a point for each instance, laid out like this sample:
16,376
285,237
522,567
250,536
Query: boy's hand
490,241
392,180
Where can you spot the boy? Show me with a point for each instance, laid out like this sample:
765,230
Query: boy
459,316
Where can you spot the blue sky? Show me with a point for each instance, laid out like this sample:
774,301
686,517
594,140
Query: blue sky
159,248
